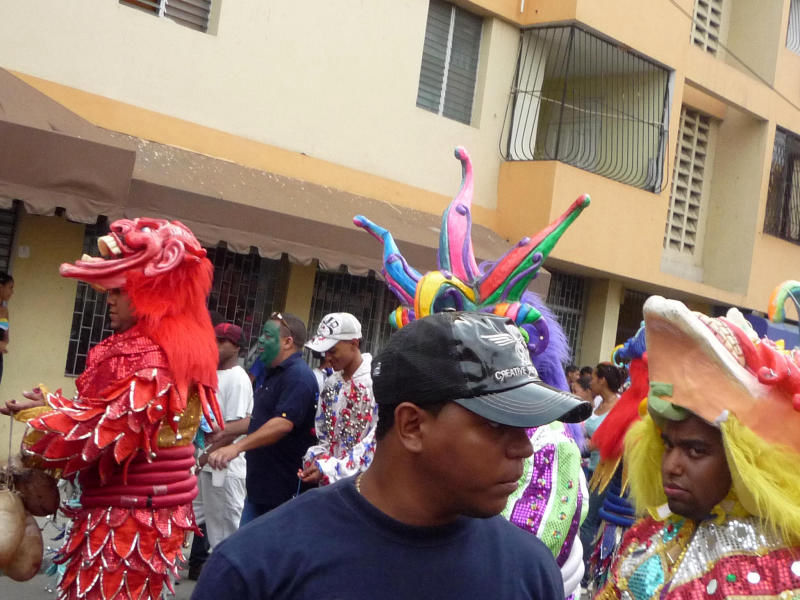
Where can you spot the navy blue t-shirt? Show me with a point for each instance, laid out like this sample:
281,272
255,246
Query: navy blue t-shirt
289,391
331,544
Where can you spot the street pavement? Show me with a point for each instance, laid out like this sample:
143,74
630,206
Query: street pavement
38,589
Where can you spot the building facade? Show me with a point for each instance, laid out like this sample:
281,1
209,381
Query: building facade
267,125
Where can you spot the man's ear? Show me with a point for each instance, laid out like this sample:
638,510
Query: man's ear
409,423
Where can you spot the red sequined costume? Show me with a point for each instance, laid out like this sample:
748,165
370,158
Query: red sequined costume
125,439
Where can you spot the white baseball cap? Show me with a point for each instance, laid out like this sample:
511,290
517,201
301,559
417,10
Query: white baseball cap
334,328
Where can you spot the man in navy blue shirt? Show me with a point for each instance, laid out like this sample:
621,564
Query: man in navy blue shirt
281,427
455,392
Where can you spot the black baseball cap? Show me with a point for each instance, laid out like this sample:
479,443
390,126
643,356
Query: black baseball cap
477,360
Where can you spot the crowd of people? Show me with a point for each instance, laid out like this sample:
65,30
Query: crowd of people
443,466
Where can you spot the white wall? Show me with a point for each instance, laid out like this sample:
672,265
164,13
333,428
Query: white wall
334,79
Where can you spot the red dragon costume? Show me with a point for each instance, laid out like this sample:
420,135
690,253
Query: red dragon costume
125,439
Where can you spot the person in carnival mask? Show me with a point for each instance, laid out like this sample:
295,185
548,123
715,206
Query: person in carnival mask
712,464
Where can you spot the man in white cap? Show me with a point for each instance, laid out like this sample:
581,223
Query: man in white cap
346,411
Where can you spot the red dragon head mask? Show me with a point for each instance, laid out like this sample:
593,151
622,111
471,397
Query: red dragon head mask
164,270
155,246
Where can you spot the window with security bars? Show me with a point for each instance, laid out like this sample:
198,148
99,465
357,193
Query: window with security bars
89,317
245,291
247,288
566,297
449,61
8,220
590,102
631,314
191,13
793,31
782,217
685,220
707,25
366,298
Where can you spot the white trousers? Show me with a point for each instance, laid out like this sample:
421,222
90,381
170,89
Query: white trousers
222,506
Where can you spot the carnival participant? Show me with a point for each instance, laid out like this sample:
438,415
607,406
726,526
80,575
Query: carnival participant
346,410
125,438
573,373
223,491
281,426
721,517
6,291
615,514
500,287
605,382
421,521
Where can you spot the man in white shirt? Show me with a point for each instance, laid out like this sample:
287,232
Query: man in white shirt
223,491
346,412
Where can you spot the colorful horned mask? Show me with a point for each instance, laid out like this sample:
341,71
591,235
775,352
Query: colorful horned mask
460,283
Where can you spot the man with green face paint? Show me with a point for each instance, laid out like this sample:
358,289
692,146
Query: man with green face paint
282,422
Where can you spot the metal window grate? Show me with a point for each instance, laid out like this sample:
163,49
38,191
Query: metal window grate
589,102
686,199
793,31
450,56
566,297
89,317
707,25
246,289
367,298
191,13
782,217
8,221
631,314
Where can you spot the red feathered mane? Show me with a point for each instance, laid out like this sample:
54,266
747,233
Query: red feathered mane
171,309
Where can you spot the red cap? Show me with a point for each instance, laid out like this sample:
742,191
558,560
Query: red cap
230,332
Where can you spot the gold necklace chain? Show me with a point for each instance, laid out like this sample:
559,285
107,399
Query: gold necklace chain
358,483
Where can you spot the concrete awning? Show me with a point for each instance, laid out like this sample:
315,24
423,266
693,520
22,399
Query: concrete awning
223,201
51,158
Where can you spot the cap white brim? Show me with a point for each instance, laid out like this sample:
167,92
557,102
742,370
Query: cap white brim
321,344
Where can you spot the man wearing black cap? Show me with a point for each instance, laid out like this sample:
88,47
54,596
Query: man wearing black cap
455,393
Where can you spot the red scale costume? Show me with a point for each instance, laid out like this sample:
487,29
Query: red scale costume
126,437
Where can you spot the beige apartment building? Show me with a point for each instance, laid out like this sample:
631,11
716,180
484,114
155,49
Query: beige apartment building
266,125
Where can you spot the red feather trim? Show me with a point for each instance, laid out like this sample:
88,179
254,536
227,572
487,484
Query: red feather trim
610,435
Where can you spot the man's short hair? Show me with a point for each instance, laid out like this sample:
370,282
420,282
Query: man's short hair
292,326
386,416
587,370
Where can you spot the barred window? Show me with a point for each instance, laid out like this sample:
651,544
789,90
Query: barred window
566,297
8,221
449,61
366,298
631,314
246,289
782,217
793,31
89,316
591,103
190,13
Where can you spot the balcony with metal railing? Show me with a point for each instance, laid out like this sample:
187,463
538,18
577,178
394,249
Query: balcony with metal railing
586,101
